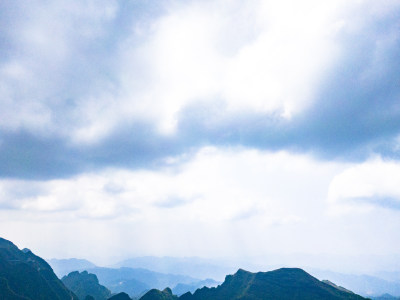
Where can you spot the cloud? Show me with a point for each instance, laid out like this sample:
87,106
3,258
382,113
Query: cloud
205,186
238,202
367,185
131,85
202,198
162,127
185,52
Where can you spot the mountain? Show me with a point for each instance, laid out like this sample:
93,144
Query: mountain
154,294
386,297
120,296
137,281
281,284
182,288
190,266
63,267
364,285
84,284
336,286
23,275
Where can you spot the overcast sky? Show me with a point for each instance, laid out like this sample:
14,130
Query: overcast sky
240,129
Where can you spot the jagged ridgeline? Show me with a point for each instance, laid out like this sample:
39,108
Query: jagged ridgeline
282,284
23,275
84,284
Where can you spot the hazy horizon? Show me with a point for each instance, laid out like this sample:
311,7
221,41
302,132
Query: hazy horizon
255,131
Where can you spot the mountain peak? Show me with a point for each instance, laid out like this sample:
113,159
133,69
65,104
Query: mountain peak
27,276
285,284
7,244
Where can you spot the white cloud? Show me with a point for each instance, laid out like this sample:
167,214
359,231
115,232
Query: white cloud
263,56
367,185
256,56
207,198
219,203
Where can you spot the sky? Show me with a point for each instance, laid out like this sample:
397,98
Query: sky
217,129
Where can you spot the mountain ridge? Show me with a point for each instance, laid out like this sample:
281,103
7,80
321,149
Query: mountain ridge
27,276
280,284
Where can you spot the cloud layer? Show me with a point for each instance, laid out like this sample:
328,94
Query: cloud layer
265,122
92,86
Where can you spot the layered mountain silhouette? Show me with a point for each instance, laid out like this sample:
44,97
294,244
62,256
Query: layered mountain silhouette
85,284
154,294
182,288
386,297
281,284
190,266
26,276
63,267
366,285
120,296
136,281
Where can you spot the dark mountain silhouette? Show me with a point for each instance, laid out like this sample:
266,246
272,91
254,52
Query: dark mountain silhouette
63,267
154,294
281,284
6,293
120,296
84,284
24,275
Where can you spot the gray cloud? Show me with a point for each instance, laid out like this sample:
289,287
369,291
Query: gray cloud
356,110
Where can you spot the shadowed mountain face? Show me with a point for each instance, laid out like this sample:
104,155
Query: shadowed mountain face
154,294
120,296
281,284
24,275
84,284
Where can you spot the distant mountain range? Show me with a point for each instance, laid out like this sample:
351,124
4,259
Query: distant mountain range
182,288
25,276
189,266
133,281
63,267
137,281
365,285
386,297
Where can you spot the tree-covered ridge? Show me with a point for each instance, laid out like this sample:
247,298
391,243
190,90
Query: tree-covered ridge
84,284
24,275
281,284
154,294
